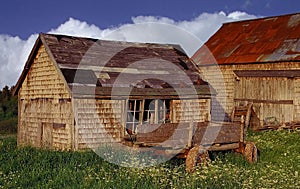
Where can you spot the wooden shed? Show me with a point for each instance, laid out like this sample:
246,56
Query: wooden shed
76,93
259,62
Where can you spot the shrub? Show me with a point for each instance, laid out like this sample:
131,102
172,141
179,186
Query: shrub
9,126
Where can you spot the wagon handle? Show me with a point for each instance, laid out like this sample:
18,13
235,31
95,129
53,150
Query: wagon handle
242,129
241,148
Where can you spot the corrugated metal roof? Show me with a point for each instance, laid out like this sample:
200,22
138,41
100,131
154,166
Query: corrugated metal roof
86,62
269,39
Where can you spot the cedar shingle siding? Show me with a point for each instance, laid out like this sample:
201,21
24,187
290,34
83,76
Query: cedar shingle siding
74,92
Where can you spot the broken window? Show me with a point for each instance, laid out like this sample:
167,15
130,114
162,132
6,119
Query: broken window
133,117
156,111
149,111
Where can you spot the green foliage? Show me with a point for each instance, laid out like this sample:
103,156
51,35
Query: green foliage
9,126
278,167
8,111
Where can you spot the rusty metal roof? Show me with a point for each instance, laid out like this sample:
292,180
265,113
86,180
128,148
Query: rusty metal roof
272,39
92,63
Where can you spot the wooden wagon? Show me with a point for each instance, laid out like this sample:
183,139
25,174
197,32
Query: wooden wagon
194,140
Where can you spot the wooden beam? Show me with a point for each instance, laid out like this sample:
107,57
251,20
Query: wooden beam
224,147
265,101
268,73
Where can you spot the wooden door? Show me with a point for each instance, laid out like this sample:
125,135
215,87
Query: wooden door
46,135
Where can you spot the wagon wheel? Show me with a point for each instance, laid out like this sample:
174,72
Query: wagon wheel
251,152
197,155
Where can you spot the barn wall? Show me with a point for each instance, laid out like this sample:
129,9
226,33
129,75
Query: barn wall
98,122
296,99
223,80
196,110
45,110
272,97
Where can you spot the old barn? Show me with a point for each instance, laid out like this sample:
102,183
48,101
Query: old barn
256,61
78,92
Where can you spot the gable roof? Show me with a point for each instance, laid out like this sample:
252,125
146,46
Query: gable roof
97,65
271,39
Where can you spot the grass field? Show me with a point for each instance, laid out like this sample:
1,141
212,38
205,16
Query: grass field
278,167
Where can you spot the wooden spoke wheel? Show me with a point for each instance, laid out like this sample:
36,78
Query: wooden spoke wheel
196,156
251,152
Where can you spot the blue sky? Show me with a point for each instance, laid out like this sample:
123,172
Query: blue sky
185,22
24,17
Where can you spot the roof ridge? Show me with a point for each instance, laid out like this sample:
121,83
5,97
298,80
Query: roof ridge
172,45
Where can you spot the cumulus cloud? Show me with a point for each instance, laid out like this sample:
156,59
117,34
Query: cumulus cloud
190,34
13,55
78,28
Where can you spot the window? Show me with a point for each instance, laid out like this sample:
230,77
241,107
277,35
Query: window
156,111
147,111
59,125
133,117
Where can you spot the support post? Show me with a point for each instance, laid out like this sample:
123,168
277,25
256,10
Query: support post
190,137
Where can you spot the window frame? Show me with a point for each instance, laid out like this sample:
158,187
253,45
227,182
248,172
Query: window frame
139,111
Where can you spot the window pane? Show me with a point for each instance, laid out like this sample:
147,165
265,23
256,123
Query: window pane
149,111
133,115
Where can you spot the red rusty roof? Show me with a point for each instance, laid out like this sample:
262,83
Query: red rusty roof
271,39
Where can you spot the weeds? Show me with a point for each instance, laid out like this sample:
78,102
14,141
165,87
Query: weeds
278,167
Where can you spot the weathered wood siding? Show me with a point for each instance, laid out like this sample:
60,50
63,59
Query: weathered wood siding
187,110
271,97
98,122
45,110
222,80
225,87
296,91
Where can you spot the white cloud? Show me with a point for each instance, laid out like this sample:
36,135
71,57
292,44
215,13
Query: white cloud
237,15
13,55
190,34
78,28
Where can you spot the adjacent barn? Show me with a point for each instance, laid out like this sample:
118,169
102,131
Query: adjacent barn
256,61
76,93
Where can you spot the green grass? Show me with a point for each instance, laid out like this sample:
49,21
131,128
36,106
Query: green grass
278,167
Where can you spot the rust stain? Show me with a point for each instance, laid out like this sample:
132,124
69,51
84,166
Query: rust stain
260,40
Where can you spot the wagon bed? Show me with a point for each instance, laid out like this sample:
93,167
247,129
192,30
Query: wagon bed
192,140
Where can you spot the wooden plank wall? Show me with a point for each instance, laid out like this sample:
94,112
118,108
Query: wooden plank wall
272,97
297,99
44,100
226,94
187,110
98,122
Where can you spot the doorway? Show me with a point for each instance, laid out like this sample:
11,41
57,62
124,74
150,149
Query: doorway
46,135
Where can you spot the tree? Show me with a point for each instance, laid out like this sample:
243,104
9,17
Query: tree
8,104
